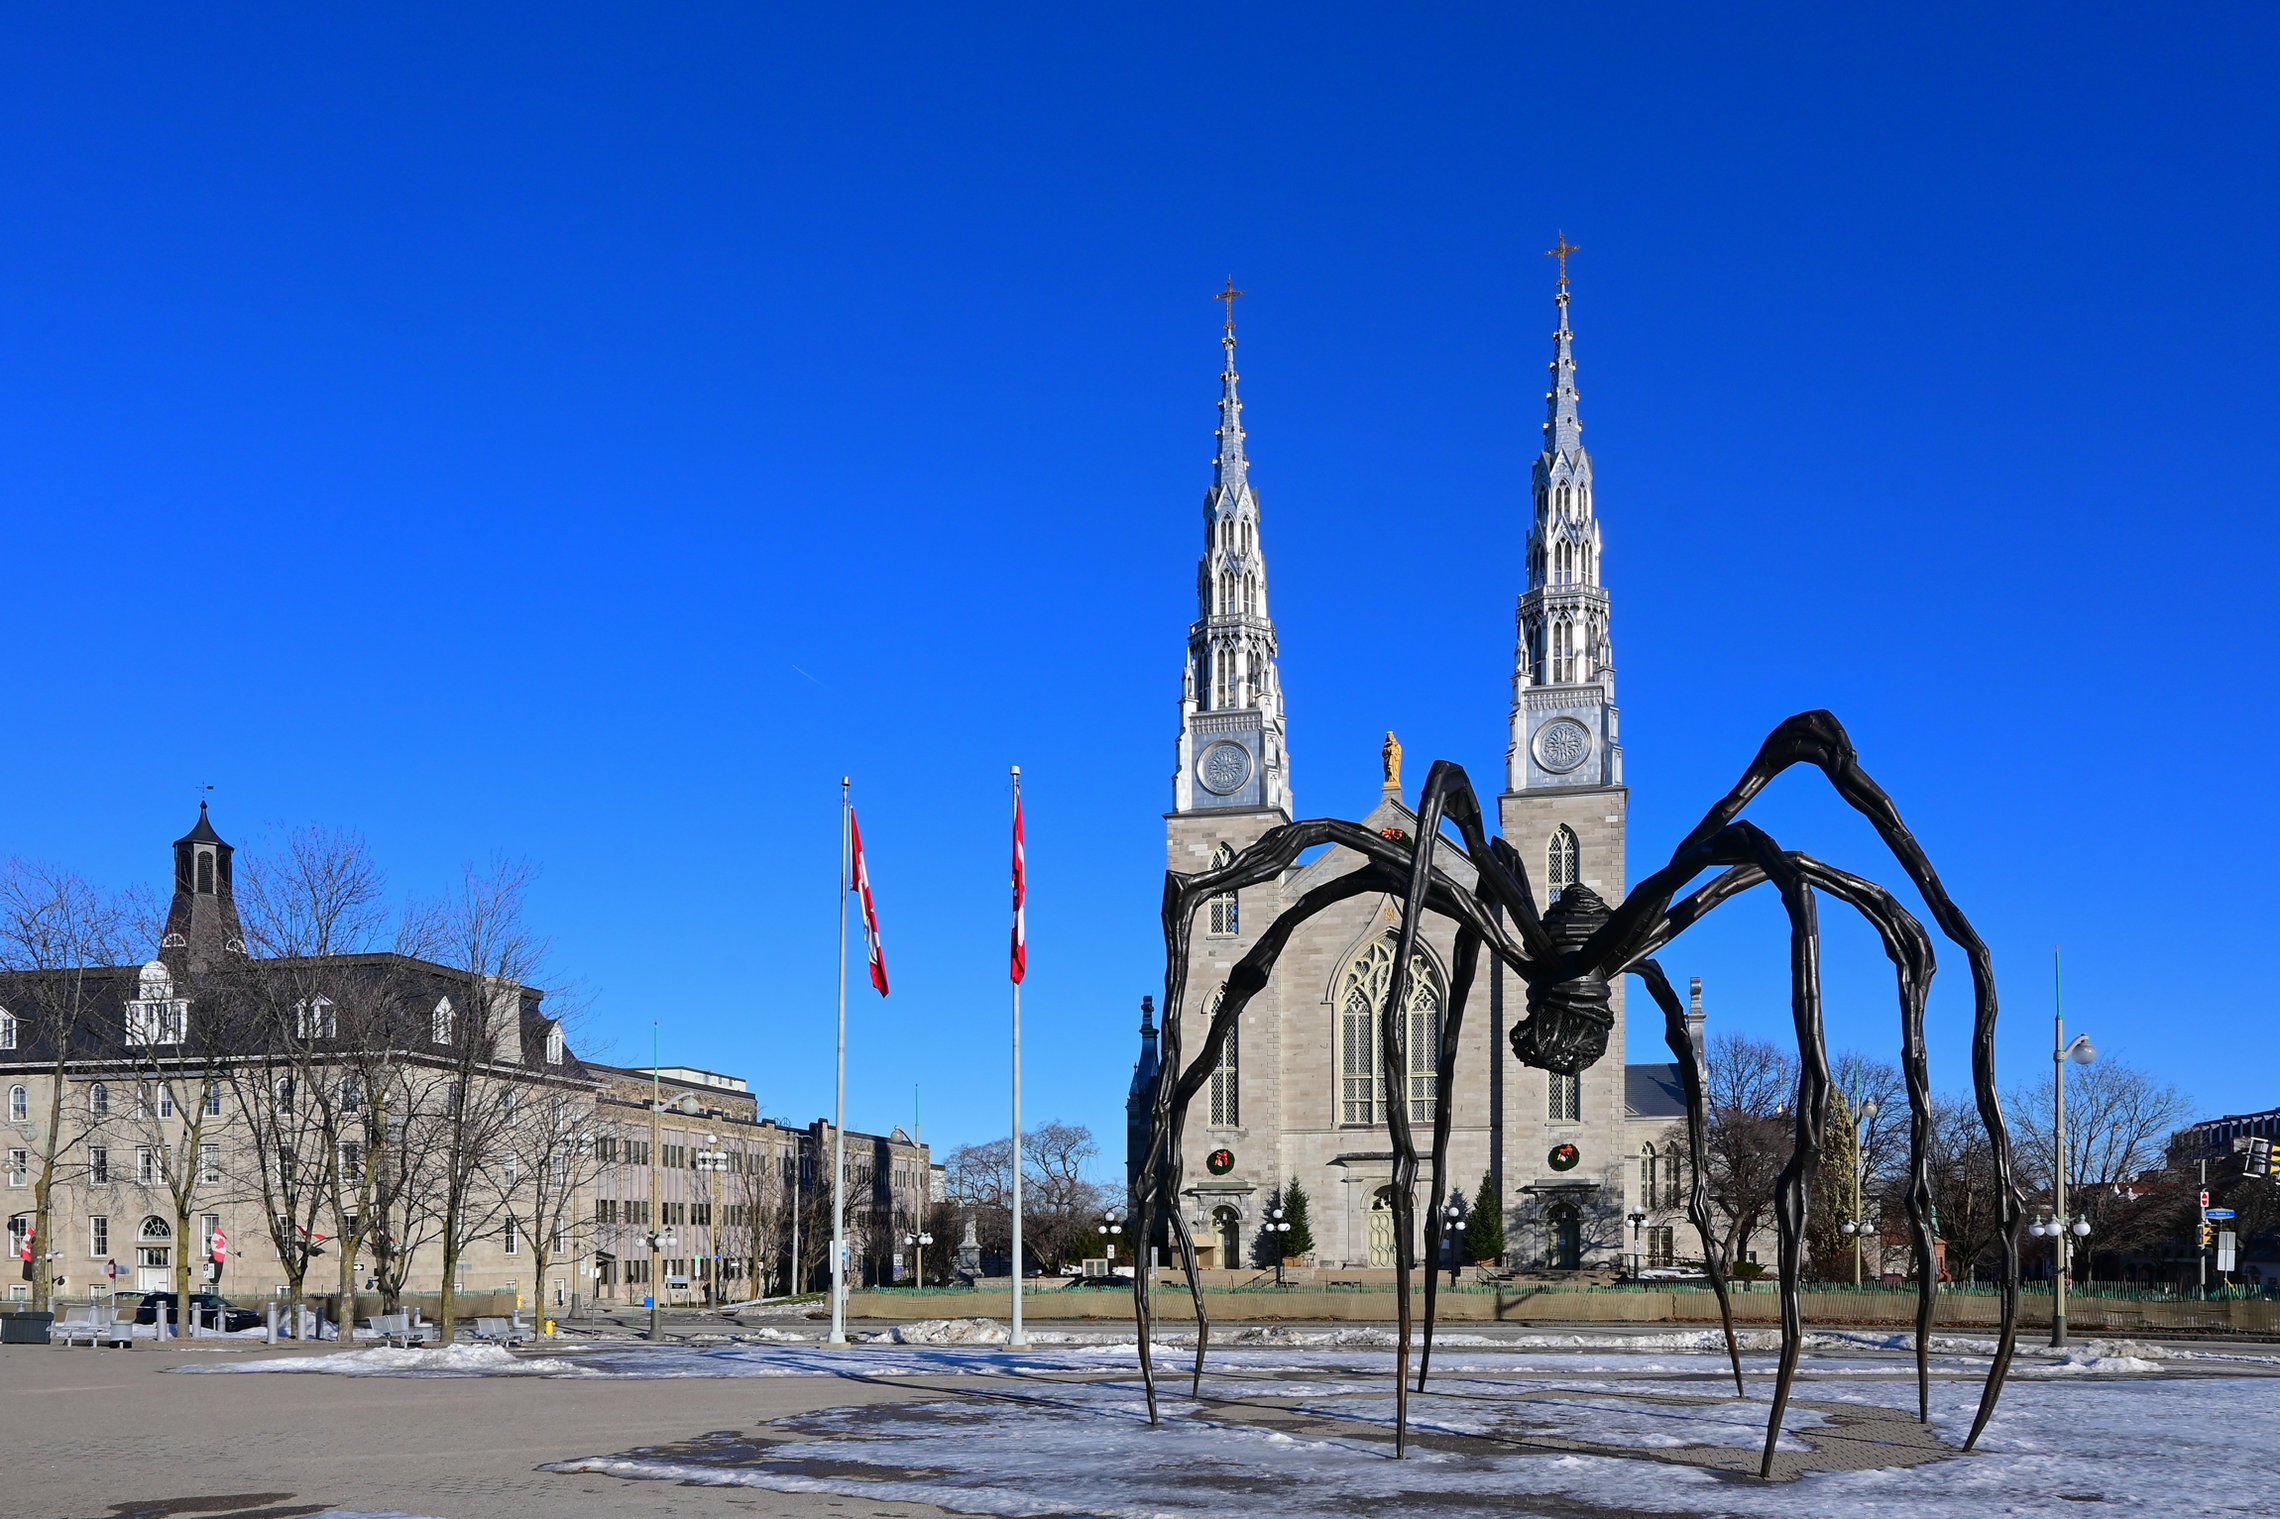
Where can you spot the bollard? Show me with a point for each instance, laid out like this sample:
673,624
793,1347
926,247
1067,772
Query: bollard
159,1326
269,1321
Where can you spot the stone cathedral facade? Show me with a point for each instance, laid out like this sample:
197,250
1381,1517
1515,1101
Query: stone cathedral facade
1299,1092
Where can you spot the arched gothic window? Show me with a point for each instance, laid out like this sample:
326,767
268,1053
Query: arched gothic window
19,1105
1361,997
1563,861
1226,1089
1650,1193
1226,920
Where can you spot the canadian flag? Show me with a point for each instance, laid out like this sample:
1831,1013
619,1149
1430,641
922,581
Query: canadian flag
221,1250
1020,897
26,1250
862,878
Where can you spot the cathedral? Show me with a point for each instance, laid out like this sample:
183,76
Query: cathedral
1299,1091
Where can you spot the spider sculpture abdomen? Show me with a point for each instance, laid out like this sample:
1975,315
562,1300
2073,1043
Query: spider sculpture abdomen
1568,1021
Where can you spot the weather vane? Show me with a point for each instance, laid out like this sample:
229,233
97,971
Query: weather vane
1561,253
1228,295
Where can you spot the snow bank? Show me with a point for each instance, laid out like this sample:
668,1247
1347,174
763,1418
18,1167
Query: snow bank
443,1361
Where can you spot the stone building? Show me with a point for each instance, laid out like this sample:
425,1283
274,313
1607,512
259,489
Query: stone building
1299,1093
704,1205
304,1109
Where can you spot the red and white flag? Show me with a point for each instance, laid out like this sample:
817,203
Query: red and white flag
26,1251
861,875
221,1250
1020,896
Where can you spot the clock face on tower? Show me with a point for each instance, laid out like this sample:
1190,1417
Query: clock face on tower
1224,768
1562,744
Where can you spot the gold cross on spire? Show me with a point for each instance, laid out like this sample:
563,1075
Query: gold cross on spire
1228,295
1561,253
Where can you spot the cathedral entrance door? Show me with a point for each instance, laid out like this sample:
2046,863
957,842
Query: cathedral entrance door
1227,1224
1566,1228
1381,1227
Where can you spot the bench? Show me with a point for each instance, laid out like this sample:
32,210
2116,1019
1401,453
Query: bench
502,1332
97,1326
398,1329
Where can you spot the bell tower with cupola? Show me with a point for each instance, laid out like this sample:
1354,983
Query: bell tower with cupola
202,928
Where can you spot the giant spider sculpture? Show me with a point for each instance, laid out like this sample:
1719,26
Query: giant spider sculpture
1567,957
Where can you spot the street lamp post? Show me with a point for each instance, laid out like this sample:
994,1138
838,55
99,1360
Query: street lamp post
2061,1235
1638,1221
1857,1225
712,1159
1452,1228
918,1240
1277,1225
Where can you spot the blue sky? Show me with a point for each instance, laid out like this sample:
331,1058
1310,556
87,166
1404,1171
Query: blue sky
587,436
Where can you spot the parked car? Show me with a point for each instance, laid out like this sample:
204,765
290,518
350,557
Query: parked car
213,1310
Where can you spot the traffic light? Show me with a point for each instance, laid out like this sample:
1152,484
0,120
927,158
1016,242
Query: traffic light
2262,1159
2208,1234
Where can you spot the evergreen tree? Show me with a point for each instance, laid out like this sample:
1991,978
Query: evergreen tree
1299,1240
1484,1226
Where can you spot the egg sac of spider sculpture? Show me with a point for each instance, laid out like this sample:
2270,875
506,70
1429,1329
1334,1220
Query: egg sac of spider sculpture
1568,1021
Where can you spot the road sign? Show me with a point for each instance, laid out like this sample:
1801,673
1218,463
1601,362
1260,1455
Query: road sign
2225,1251
2216,1212
2204,1199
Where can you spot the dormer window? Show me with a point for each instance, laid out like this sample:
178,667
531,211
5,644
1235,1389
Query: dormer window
315,1018
554,1044
445,1022
7,1030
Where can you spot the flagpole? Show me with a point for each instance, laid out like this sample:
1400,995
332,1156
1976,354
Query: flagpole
838,1340
1017,1340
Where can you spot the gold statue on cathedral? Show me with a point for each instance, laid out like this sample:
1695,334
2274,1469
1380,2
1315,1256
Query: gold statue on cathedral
1391,754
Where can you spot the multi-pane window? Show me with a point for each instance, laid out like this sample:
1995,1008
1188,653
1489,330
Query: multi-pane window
1226,1092
511,1236
209,1225
561,1237
99,1101
351,1161
7,1030
554,1045
1650,1179
443,1022
99,1237
213,1099
315,1018
1563,863
99,1164
160,1021
209,1163
19,1105
605,1210
1566,1098
19,1167
1361,998
1660,1246
701,1214
1226,920
351,1097
165,1100
150,1166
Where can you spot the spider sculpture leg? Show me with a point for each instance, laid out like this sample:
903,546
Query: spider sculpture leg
1690,1077
1817,738
1909,948
1467,960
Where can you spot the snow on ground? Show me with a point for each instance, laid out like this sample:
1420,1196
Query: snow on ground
1060,1428
2187,1447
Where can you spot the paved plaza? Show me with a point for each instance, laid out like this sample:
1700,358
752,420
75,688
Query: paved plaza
1291,1420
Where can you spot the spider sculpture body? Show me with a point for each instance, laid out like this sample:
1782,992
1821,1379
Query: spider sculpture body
1567,958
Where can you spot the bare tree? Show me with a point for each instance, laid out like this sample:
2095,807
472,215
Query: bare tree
548,1162
2118,1124
1856,1081
1967,1194
1749,1086
57,934
480,934
1059,1204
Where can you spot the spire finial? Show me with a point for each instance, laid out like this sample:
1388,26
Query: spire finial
1228,295
1561,253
